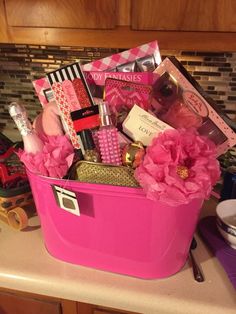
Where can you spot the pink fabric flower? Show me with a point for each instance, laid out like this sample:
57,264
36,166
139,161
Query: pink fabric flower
55,159
179,166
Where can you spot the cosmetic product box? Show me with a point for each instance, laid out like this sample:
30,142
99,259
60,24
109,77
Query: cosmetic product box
96,82
113,228
183,103
142,126
96,79
122,96
71,94
124,61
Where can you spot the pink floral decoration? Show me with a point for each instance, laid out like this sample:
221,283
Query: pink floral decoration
179,166
55,159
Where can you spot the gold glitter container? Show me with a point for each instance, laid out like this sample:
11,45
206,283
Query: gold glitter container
92,172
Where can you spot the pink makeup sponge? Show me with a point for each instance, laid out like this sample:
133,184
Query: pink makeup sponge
49,122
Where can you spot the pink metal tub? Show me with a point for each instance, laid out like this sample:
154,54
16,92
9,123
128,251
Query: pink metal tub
118,230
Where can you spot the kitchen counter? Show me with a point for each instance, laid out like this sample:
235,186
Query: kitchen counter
25,265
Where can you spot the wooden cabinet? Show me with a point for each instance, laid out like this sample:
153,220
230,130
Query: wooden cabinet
208,25
10,303
83,308
178,15
4,38
96,14
14,302
184,15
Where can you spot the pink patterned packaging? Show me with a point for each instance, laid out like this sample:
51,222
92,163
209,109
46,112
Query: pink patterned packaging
122,96
182,103
96,79
43,90
75,88
64,108
43,87
125,57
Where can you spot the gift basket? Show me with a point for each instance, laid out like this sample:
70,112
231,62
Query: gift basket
121,159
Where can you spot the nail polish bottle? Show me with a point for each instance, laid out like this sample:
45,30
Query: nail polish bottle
32,143
90,152
108,137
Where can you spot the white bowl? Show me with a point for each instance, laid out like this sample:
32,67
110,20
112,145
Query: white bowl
226,221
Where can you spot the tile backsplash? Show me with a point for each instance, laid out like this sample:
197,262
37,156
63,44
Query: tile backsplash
21,64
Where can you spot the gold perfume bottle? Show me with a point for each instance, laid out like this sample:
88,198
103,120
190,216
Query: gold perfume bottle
90,152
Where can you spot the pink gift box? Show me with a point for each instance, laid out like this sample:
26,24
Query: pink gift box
181,102
125,57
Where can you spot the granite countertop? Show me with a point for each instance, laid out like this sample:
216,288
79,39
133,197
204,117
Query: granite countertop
25,265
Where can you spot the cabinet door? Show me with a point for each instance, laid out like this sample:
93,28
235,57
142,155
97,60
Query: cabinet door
84,308
184,15
17,304
61,13
3,24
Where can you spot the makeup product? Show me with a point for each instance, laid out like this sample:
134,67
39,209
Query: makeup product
127,94
90,152
142,126
73,73
132,154
32,143
86,118
96,79
122,95
82,94
118,59
188,101
71,96
64,108
108,137
71,92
